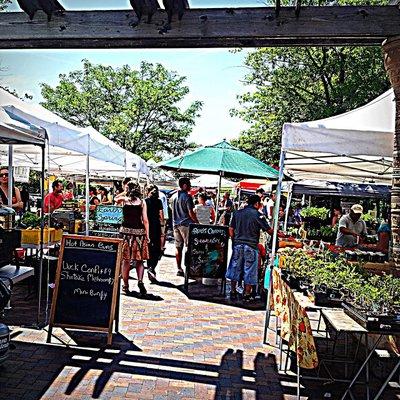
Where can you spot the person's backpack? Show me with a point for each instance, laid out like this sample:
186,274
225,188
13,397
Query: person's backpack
5,292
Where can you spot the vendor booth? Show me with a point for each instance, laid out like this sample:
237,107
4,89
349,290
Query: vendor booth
14,134
71,150
356,146
353,150
74,151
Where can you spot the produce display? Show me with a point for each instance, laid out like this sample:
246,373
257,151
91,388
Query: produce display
290,242
30,220
31,234
373,300
315,212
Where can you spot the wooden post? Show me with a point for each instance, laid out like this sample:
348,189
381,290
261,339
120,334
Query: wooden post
391,48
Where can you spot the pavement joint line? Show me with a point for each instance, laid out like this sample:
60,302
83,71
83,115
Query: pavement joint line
170,368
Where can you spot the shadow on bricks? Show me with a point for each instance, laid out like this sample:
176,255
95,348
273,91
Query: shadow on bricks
39,367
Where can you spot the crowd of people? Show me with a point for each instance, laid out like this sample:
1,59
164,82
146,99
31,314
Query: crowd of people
245,225
146,216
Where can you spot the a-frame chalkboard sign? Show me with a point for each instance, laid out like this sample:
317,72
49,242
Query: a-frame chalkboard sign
87,284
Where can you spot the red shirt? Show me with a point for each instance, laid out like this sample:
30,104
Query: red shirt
53,200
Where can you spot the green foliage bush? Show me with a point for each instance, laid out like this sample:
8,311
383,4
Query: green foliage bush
315,212
372,291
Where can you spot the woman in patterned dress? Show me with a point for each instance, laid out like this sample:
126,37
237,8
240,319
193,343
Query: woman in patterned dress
135,233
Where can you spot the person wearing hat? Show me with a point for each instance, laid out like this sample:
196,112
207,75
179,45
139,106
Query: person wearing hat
351,227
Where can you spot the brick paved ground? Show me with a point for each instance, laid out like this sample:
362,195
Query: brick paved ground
169,347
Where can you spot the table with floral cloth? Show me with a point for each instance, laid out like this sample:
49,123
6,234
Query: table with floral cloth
295,324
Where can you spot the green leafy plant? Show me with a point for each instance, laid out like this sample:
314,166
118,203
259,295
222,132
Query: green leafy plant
368,217
370,291
30,220
328,231
315,212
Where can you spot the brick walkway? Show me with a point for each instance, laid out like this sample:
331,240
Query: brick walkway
169,347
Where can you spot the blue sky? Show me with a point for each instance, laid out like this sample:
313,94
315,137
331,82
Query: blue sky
213,75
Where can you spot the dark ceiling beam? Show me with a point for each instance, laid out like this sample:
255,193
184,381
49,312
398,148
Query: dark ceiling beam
297,6
277,7
233,27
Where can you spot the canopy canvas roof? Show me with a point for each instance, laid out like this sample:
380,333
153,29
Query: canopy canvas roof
339,189
68,144
220,159
354,146
211,181
14,132
254,184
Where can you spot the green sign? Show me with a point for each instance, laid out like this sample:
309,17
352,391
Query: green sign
108,215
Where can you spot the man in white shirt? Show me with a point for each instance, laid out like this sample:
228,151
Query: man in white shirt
270,206
351,227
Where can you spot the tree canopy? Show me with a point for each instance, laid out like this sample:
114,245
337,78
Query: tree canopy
139,109
4,4
302,84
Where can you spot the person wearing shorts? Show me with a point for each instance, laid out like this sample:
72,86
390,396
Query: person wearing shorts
244,229
183,215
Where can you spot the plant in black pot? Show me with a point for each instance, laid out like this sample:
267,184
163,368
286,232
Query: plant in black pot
376,304
314,216
328,233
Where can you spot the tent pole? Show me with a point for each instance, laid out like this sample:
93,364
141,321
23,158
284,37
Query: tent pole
125,166
87,189
218,196
289,199
274,242
42,223
10,174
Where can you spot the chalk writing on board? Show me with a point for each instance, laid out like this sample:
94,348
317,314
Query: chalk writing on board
108,215
88,273
208,245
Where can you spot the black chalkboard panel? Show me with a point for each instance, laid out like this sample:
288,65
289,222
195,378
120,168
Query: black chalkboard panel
86,283
207,251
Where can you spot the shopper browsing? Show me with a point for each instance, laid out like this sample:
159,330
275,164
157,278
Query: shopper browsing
183,215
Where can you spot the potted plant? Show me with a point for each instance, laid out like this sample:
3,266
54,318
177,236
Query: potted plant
314,216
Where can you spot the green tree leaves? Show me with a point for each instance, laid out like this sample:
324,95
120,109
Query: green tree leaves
4,4
138,109
302,84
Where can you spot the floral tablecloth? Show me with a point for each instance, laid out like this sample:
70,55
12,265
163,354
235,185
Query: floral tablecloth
295,324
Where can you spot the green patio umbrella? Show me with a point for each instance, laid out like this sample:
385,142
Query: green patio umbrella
220,159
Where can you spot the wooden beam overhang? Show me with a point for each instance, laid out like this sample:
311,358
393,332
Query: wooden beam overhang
201,28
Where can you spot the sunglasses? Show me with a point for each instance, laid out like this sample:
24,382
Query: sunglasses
5,175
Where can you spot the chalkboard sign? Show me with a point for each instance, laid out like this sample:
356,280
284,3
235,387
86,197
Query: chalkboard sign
207,251
108,215
86,283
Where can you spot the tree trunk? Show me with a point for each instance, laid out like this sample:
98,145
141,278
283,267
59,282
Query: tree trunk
391,48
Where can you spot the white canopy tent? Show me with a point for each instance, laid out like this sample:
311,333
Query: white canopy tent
211,181
70,145
356,146
62,134
16,134
71,149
